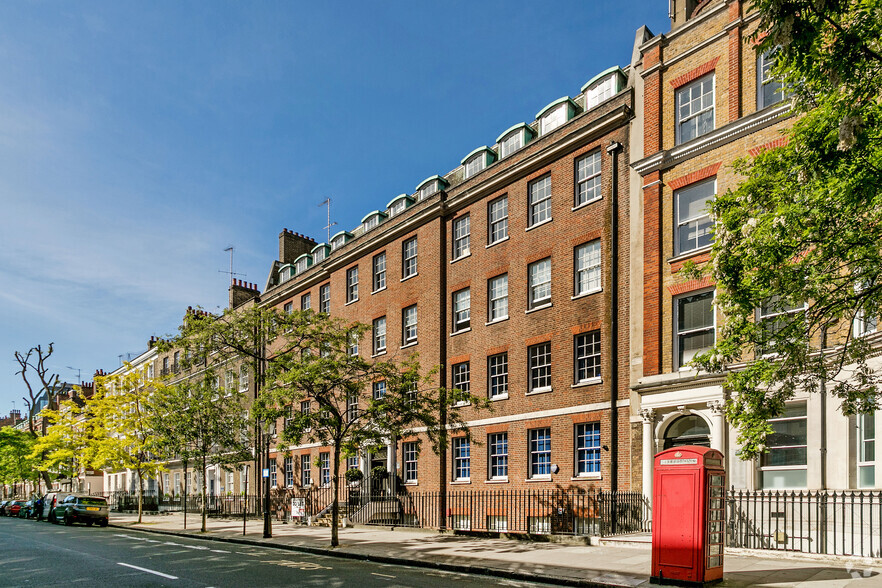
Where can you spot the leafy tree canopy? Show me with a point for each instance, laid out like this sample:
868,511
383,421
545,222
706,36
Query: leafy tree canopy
800,238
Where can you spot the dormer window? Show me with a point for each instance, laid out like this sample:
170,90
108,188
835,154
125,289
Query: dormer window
430,186
555,114
372,220
399,204
340,239
477,161
513,139
302,263
320,252
286,272
604,85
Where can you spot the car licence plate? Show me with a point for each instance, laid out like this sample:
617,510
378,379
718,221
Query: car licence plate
91,508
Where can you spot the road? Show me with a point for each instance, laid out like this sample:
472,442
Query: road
43,554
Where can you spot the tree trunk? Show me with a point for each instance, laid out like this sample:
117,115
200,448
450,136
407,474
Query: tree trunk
335,505
140,495
204,484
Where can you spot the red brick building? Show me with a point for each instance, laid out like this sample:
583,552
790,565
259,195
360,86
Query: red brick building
511,273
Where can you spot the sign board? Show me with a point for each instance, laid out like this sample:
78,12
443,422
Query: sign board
298,507
693,461
265,473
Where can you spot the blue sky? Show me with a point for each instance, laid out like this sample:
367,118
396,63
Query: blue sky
138,140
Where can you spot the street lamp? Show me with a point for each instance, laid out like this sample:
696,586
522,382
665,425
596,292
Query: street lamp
267,523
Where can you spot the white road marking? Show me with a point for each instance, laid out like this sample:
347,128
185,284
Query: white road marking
148,571
383,575
219,551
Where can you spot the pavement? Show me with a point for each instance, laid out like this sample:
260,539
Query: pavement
620,562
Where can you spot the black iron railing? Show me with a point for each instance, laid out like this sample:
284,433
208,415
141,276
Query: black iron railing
825,522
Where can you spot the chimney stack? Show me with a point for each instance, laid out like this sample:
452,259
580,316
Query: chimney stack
292,245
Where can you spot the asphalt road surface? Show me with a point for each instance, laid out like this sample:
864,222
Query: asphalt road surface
43,554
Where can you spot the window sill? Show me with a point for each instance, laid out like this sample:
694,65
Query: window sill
584,294
538,308
378,290
461,482
460,332
537,225
690,253
353,301
379,353
538,391
494,321
587,477
405,278
461,257
503,240
588,382
411,483
539,479
406,345
458,404
497,481
584,204
498,397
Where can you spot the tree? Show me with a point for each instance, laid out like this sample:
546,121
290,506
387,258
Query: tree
353,402
199,421
35,359
67,447
800,238
123,427
16,463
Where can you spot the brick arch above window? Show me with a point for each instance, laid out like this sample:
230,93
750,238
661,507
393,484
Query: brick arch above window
704,68
691,285
696,176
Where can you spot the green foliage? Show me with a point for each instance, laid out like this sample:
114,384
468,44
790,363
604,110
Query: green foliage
16,462
67,448
806,224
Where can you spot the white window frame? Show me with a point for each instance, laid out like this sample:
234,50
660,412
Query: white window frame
289,472
409,258
554,118
588,179
497,376
352,284
325,298
774,468
461,237
601,91
588,444
497,456
539,283
587,349
305,470
539,366
773,314
497,298
409,325
587,258
306,301
765,62
462,459
866,460
378,265
325,469
511,143
378,390
461,378
690,116
410,454
683,224
678,334
539,455
539,201
497,220
379,335
462,310
475,165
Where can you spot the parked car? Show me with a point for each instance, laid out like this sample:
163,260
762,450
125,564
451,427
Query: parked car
14,507
3,506
82,509
49,503
25,511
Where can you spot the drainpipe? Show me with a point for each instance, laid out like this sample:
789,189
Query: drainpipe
442,375
823,391
613,151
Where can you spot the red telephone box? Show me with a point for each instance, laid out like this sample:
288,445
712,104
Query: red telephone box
688,517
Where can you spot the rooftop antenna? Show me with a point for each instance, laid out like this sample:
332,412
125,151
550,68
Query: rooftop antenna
78,371
330,224
231,272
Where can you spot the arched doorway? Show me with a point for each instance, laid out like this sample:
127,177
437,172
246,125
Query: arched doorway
688,429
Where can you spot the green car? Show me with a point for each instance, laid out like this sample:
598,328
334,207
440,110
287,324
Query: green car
82,509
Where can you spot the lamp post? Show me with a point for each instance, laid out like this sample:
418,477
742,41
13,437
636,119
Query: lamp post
267,523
